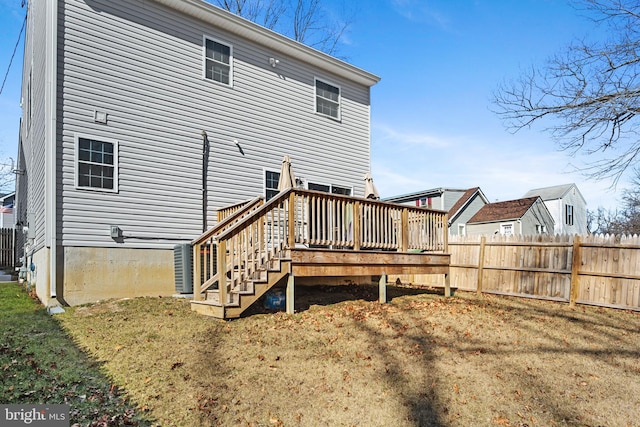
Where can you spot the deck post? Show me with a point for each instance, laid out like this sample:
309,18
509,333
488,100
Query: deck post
196,273
404,244
291,241
447,284
290,294
382,285
356,226
222,272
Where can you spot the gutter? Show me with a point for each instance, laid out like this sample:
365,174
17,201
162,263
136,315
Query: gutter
248,30
51,65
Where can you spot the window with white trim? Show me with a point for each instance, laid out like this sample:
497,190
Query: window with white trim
96,164
333,189
271,180
506,229
327,99
217,61
568,214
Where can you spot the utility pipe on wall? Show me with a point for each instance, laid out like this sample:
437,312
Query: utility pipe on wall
205,168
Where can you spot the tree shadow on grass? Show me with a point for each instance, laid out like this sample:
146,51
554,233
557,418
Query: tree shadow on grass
43,365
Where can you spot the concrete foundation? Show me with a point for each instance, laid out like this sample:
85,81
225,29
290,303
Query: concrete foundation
91,274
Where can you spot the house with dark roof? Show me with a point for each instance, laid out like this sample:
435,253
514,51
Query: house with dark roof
567,207
521,216
460,204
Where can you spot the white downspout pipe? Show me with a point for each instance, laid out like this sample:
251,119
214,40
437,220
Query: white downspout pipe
51,93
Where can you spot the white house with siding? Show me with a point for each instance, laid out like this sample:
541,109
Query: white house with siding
142,118
567,207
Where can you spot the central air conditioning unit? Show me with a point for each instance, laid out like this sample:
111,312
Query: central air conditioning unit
183,263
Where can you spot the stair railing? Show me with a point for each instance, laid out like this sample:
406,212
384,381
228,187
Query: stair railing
312,219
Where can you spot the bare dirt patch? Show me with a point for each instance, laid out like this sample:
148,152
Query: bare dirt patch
346,360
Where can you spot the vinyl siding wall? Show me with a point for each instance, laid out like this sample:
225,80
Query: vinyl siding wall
537,215
31,186
141,63
470,210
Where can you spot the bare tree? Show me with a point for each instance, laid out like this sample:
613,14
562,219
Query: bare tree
590,93
626,220
7,176
306,21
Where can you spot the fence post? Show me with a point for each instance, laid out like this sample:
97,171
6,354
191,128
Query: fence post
483,241
575,266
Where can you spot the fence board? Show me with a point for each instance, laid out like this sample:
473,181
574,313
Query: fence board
7,241
606,272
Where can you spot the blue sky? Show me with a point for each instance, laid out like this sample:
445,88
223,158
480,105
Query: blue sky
431,123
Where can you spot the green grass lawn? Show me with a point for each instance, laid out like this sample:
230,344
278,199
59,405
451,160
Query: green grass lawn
41,364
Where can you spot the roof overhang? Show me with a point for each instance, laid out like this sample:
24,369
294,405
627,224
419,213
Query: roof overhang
248,30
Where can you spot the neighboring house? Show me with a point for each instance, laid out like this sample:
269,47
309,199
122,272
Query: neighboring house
6,210
521,216
459,203
142,118
567,207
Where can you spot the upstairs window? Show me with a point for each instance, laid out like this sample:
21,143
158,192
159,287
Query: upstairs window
568,214
96,166
217,61
327,100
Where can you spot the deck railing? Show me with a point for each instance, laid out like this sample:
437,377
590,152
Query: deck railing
304,218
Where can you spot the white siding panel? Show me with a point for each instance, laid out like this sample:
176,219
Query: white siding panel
33,129
142,64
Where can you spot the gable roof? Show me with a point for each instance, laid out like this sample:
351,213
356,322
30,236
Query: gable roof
433,192
464,199
554,192
246,29
500,211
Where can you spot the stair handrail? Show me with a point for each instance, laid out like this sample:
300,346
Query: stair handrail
229,220
289,218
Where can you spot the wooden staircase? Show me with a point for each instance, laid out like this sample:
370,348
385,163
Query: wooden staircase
304,233
241,298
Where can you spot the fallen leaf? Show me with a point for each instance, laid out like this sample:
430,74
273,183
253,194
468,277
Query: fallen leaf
456,389
502,421
146,380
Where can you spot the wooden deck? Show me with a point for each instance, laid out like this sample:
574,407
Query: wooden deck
303,233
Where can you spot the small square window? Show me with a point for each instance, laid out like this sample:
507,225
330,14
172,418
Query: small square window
96,164
217,61
327,99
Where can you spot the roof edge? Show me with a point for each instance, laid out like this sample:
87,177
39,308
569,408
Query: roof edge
249,30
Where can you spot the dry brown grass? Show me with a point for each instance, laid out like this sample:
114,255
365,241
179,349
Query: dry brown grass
420,360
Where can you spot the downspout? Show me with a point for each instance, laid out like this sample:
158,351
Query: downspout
205,168
51,66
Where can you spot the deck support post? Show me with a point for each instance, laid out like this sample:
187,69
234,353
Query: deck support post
197,269
382,285
447,284
290,294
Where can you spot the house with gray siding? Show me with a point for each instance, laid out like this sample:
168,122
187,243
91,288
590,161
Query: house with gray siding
567,207
141,119
521,216
460,204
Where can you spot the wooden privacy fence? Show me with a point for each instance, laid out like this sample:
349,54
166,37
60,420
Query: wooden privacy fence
7,243
594,269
